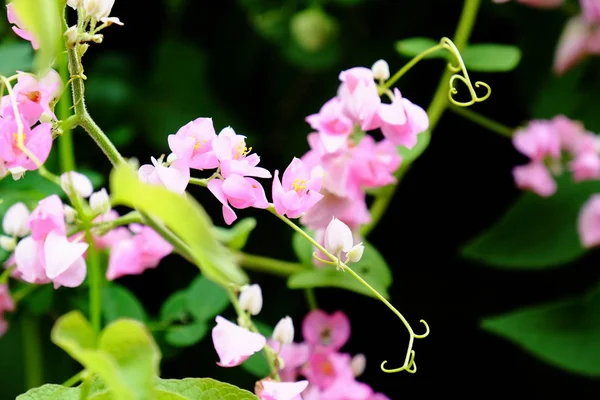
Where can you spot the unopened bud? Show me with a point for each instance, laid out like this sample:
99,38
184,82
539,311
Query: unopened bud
70,214
100,202
8,243
338,237
79,182
358,364
381,70
75,4
171,158
97,38
98,8
284,331
356,252
15,219
71,35
251,299
46,117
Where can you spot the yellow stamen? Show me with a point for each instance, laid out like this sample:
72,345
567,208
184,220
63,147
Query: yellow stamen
242,151
299,185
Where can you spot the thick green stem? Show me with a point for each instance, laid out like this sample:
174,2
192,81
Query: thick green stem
436,109
32,350
179,245
74,379
96,282
65,141
311,299
270,265
483,121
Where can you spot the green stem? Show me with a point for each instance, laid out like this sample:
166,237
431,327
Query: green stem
132,217
436,109
32,350
311,299
74,379
65,142
96,282
390,82
482,120
270,265
199,182
179,245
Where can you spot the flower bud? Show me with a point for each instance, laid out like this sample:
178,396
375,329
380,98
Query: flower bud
171,158
75,4
358,364
8,243
81,183
338,237
98,8
70,214
71,35
381,70
356,252
251,299
100,202
313,29
284,331
15,220
17,172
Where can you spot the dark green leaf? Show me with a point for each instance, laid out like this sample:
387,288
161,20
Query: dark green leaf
535,232
414,46
257,365
236,236
491,57
175,308
186,335
565,333
51,392
119,302
206,299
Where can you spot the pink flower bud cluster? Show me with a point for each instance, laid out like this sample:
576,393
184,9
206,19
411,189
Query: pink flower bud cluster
548,143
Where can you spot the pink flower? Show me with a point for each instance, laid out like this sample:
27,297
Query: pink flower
232,153
18,29
202,133
174,177
346,388
241,192
573,136
298,192
47,217
359,97
134,254
535,177
578,40
323,369
538,140
590,10
326,331
6,304
333,126
401,121
588,222
294,356
37,140
585,166
54,259
536,3
353,211
271,390
113,236
235,344
374,163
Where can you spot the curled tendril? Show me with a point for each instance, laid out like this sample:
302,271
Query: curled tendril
409,363
461,74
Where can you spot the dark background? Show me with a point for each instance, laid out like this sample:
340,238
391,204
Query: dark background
174,61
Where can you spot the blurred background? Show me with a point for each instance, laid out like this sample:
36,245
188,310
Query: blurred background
262,66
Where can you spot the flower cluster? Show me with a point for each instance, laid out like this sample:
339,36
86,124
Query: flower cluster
349,161
548,143
330,374
34,109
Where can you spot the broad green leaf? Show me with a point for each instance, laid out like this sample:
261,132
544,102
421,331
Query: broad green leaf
236,236
175,308
535,232
119,302
185,217
51,392
565,333
42,18
205,299
491,57
15,56
200,389
256,365
126,357
186,335
372,268
414,46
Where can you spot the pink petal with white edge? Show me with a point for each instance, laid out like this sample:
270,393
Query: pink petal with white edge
282,390
235,344
60,254
73,276
27,257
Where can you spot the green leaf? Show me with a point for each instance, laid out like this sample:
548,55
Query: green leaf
51,392
256,365
175,308
119,302
126,357
186,335
15,56
414,46
205,299
200,389
565,333
372,268
236,236
185,217
490,57
42,18
535,232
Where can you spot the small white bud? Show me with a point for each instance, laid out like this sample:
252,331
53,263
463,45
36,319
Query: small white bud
80,182
15,220
251,299
171,158
381,70
284,331
75,4
8,243
356,252
70,214
111,20
17,172
338,237
46,117
358,364
100,202
98,8
97,38
71,35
